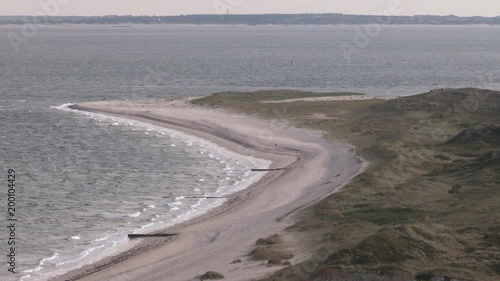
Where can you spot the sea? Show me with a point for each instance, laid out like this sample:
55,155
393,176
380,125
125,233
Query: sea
84,180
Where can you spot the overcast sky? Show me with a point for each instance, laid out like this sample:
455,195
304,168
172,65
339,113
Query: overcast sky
177,7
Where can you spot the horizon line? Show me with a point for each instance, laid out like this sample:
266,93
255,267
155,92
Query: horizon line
255,14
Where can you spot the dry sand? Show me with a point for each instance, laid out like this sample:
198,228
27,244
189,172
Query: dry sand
338,98
315,168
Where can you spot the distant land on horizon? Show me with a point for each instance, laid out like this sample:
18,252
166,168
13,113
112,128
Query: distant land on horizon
264,19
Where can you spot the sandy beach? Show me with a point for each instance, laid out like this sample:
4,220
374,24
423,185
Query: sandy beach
335,98
314,168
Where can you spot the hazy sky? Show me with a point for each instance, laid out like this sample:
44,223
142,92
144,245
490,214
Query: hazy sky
176,7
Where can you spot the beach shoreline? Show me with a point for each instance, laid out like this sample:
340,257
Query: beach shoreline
314,169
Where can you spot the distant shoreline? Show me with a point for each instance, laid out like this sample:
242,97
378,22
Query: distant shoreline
230,25
254,19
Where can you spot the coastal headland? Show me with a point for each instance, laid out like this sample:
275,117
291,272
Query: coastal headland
425,208
307,168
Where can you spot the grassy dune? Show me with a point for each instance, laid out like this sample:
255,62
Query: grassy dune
236,99
269,249
429,204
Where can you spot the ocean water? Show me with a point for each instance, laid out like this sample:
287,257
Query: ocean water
86,180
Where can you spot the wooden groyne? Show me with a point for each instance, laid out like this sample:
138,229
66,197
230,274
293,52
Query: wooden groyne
132,236
197,197
267,170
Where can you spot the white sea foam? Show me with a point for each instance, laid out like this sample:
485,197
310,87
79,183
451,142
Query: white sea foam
87,252
100,239
112,215
175,203
38,268
233,163
134,215
146,226
25,277
54,256
198,203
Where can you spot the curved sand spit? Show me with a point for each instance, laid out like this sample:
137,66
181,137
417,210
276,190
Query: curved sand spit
315,168
336,98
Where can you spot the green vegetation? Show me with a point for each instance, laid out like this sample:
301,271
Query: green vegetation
271,240
384,216
273,255
429,204
233,99
211,275
268,249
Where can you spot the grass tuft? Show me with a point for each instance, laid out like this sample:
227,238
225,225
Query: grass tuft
273,255
271,240
211,275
